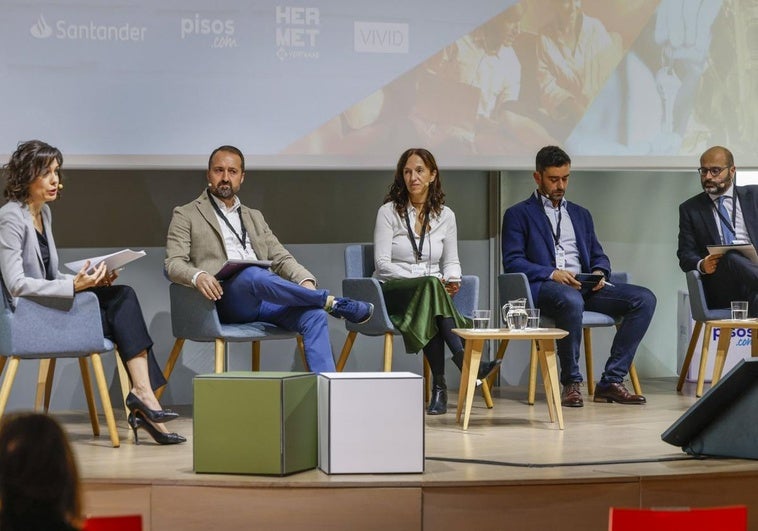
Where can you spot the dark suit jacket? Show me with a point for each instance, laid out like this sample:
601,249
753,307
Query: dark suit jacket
697,228
528,246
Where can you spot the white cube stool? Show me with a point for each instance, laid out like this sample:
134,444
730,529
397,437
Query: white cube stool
371,422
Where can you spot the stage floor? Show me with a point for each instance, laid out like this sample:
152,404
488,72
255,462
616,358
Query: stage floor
614,451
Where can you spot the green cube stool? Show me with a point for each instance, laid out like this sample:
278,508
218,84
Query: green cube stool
255,423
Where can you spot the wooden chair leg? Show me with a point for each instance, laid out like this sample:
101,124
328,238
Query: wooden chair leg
388,352
88,396
170,364
256,355
301,349
45,376
635,379
105,399
346,348
703,359
220,362
3,359
533,362
124,381
587,335
10,376
690,352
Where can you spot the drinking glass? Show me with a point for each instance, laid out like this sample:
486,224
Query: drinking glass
532,318
739,310
482,319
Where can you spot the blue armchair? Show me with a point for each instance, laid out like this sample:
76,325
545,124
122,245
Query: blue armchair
195,318
46,329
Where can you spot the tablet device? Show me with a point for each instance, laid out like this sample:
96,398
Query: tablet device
588,280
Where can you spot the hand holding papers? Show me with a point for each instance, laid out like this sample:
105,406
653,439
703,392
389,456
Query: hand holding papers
112,261
745,249
232,267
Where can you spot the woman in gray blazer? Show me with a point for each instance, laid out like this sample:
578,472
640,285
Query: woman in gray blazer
29,267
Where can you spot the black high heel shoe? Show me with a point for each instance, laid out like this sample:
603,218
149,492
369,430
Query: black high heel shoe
153,415
136,422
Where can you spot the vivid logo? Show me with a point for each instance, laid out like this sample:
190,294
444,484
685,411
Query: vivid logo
380,37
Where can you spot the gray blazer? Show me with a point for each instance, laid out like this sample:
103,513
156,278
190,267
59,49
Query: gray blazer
21,267
195,243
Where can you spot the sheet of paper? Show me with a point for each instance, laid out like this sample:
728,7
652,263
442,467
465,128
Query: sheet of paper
112,261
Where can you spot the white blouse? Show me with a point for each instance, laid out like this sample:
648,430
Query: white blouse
393,253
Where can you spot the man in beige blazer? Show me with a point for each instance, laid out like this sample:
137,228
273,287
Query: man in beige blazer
216,227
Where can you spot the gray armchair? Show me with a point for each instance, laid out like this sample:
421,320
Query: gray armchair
46,329
359,266
516,286
195,318
702,315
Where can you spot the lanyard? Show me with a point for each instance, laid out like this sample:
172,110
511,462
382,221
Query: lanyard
557,233
733,225
417,250
242,225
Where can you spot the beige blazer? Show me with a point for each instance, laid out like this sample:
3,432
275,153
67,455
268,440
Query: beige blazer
195,243
23,272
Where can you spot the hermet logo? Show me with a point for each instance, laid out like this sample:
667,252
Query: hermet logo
90,31
380,37
297,32
219,32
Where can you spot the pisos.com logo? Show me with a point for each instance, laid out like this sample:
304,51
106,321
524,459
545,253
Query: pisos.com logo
220,33
87,31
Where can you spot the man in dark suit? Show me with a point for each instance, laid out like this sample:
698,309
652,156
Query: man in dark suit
713,218
551,240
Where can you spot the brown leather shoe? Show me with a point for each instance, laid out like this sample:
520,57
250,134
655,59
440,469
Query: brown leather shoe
572,395
616,392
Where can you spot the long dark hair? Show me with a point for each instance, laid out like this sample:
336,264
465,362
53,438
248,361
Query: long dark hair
398,193
39,481
30,160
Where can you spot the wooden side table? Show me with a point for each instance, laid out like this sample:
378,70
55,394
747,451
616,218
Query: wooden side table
472,356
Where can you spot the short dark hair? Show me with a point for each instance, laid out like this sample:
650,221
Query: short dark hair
551,157
30,160
230,149
39,481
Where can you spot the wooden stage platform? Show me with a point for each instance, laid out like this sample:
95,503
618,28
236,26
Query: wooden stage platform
512,469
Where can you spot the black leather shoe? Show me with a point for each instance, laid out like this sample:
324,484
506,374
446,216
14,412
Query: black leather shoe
154,415
572,395
438,402
487,367
616,392
136,422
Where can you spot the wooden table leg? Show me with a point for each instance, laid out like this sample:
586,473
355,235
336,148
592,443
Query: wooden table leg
722,349
472,356
546,353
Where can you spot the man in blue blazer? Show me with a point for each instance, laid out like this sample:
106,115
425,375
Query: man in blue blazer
551,240
714,218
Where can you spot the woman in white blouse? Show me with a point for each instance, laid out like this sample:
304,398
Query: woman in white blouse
416,259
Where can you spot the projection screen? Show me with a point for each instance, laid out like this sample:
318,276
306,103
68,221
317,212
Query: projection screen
351,83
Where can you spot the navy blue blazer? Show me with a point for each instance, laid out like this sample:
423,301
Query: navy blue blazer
529,248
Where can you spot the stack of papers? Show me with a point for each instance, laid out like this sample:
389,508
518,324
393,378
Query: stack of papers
112,261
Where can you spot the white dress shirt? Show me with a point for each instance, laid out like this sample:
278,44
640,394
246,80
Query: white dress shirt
393,253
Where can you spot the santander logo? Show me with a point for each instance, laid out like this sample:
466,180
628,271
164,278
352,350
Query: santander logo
41,29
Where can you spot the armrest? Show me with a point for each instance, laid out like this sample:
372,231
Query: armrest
368,290
40,326
192,315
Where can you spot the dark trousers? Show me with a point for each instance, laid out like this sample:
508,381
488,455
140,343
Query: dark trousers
123,324
565,305
735,279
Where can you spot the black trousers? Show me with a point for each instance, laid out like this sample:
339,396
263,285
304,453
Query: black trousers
123,324
736,278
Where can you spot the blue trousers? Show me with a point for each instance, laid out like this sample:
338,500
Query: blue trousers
257,294
566,304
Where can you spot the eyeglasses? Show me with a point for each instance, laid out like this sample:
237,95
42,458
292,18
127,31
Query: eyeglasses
715,171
